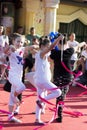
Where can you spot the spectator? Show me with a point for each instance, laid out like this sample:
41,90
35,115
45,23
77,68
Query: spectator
3,42
73,43
32,35
20,30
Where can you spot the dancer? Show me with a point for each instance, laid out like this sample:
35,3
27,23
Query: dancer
61,77
15,53
43,75
30,75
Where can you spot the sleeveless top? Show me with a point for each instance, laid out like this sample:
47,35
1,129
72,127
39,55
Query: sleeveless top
42,68
16,63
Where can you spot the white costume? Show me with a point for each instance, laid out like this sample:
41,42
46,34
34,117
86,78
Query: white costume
15,74
42,80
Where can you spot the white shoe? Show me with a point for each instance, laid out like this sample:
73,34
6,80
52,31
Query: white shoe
13,119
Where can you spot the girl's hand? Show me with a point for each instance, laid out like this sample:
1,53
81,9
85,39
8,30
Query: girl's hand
8,49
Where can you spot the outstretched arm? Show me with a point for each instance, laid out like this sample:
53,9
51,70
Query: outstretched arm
9,49
32,48
50,47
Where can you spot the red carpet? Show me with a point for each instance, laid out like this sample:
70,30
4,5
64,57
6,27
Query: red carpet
76,100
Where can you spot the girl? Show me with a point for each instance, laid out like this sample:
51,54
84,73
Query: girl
43,75
15,53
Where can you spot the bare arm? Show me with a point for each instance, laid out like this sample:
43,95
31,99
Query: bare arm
49,48
8,49
78,48
82,44
32,48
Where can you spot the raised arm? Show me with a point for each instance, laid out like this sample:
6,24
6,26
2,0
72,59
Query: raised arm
50,47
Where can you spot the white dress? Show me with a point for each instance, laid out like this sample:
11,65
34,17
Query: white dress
16,70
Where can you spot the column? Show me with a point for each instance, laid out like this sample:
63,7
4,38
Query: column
30,14
29,20
50,15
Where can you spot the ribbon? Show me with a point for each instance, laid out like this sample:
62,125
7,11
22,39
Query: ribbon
3,111
1,127
71,72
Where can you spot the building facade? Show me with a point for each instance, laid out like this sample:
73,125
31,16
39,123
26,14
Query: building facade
46,16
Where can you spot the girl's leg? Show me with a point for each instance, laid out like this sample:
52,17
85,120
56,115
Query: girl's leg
20,87
13,100
38,109
44,104
17,88
18,94
55,92
16,111
41,89
30,77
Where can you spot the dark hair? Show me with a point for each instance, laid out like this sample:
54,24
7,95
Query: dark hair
44,40
32,28
18,27
13,37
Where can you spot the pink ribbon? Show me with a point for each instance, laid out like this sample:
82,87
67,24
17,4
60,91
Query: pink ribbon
44,100
1,127
3,111
73,113
81,94
71,72
83,86
67,69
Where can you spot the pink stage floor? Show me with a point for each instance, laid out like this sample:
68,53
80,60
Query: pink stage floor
76,100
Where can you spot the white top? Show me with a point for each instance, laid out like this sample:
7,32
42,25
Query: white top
16,63
42,68
73,44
